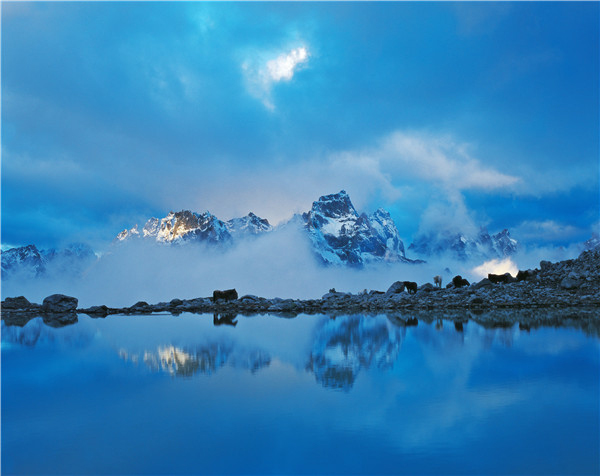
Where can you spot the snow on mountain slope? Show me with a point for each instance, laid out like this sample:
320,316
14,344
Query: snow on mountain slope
341,236
181,226
25,259
248,225
28,261
464,248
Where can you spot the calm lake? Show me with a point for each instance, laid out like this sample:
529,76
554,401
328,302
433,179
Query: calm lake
169,394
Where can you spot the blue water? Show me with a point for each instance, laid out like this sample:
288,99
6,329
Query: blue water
310,395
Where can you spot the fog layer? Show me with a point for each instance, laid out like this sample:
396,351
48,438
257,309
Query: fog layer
278,264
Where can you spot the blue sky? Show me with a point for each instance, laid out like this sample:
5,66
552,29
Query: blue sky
450,115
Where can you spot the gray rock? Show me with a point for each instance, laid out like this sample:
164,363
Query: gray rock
16,303
545,265
397,287
427,287
97,310
249,297
485,282
569,283
59,303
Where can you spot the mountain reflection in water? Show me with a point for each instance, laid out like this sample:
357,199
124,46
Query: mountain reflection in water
181,362
396,395
344,346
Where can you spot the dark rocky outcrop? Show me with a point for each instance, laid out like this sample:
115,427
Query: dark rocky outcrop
59,303
395,288
20,302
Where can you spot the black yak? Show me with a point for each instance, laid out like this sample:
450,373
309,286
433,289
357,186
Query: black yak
411,287
459,281
227,295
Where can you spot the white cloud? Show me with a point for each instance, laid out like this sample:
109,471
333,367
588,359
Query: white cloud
441,160
405,166
546,231
262,73
282,67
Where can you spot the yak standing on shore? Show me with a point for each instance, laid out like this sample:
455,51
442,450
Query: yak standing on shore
437,280
411,287
227,295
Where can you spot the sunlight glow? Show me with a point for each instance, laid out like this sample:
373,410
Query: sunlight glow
496,266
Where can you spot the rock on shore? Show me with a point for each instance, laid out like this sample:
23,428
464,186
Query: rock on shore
566,284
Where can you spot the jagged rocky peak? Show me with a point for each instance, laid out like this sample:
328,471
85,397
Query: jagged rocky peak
181,226
28,261
463,247
336,205
25,258
248,225
504,244
341,236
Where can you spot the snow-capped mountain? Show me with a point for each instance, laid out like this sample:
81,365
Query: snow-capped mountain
28,261
25,259
341,236
187,226
248,225
462,247
338,233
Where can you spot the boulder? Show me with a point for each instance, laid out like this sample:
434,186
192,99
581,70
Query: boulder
525,275
100,311
545,265
484,283
249,298
59,303
569,283
397,287
16,303
427,287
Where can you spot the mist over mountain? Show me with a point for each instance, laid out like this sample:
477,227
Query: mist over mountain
338,233
29,262
460,246
188,254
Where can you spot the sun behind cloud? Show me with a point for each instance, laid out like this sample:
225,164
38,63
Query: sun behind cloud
262,75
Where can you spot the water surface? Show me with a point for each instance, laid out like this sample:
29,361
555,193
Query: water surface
310,395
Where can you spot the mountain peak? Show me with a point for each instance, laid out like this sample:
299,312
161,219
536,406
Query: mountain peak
335,205
464,247
341,236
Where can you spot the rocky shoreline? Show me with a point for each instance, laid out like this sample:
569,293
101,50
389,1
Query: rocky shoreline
567,290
